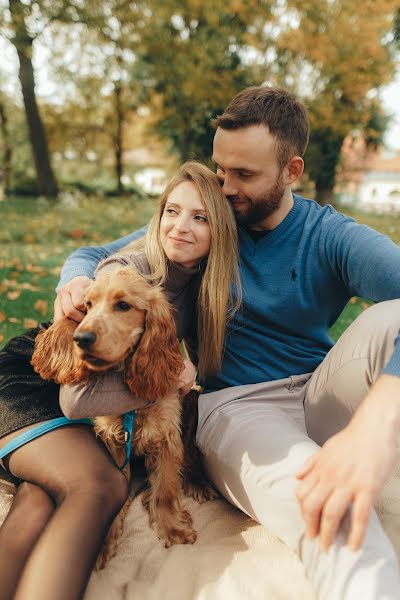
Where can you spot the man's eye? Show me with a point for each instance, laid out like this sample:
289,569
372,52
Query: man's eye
123,306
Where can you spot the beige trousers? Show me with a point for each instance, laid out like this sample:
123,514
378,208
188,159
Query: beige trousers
254,439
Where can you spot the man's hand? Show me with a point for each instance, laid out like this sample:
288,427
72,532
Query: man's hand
69,301
352,467
187,377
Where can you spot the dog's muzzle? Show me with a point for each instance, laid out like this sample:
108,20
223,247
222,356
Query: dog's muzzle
84,339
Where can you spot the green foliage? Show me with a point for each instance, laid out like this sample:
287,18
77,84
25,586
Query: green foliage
190,65
38,238
336,55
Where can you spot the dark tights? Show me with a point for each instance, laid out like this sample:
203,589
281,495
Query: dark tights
54,531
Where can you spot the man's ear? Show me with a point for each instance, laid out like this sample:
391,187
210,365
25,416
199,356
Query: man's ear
294,169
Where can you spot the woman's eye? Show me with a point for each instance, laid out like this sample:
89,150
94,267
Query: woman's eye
201,218
170,211
123,306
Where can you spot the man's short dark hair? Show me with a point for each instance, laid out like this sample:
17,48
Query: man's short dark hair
282,113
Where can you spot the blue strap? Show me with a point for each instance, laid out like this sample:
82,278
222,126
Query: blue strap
36,432
129,420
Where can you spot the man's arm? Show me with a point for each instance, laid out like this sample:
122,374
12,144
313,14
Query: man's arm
352,467
78,271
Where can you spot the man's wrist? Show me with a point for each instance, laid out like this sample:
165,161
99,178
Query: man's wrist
382,406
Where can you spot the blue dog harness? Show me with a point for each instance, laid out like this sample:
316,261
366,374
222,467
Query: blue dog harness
32,434
129,421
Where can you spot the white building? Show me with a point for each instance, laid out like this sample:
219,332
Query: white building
369,181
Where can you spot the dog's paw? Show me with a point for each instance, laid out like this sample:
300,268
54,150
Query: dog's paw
180,536
200,492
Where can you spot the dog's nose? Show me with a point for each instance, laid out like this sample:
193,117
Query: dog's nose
84,339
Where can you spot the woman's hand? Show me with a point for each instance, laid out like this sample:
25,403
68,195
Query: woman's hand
187,377
69,301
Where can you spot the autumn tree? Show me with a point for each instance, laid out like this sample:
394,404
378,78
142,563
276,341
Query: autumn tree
335,54
22,34
23,21
6,145
189,63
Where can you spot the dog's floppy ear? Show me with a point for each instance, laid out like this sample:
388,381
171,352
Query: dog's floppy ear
157,363
54,356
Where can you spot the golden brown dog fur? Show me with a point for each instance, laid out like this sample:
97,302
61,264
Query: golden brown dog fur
138,336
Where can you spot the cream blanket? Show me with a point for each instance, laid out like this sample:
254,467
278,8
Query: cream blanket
233,558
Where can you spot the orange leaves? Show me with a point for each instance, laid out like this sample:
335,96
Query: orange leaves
41,306
13,295
30,323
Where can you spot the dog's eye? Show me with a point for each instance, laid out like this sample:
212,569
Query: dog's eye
122,305
88,305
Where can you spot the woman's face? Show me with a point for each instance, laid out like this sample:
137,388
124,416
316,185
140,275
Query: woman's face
184,228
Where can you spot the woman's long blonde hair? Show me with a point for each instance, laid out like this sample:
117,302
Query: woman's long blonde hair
220,290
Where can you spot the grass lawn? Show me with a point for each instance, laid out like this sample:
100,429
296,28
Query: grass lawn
37,236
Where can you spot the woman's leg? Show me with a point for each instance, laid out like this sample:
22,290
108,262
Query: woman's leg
87,489
29,513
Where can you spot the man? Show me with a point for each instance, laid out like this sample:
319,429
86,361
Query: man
283,391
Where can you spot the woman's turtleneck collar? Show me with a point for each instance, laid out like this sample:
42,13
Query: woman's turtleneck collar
179,276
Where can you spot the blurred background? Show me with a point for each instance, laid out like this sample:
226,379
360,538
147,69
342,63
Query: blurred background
100,101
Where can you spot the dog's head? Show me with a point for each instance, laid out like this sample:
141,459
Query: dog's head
127,320
116,304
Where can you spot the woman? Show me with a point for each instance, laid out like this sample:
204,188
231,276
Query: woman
75,489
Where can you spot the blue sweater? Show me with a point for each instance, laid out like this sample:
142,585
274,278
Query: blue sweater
296,281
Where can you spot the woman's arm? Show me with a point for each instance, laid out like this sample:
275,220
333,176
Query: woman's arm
105,394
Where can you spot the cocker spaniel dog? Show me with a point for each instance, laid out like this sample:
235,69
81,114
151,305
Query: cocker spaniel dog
129,327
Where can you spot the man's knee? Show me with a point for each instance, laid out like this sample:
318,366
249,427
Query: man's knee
383,316
375,330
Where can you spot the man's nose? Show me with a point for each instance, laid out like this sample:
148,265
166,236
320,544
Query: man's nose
229,187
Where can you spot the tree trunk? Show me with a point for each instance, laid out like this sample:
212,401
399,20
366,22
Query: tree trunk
323,194
46,182
118,137
22,41
7,156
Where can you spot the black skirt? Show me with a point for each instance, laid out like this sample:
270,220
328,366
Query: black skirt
25,398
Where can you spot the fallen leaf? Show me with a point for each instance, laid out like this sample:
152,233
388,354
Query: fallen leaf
13,295
77,233
2,316
14,320
41,306
29,323
1,337
35,269
29,238
353,300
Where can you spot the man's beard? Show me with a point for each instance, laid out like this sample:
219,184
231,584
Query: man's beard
259,209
